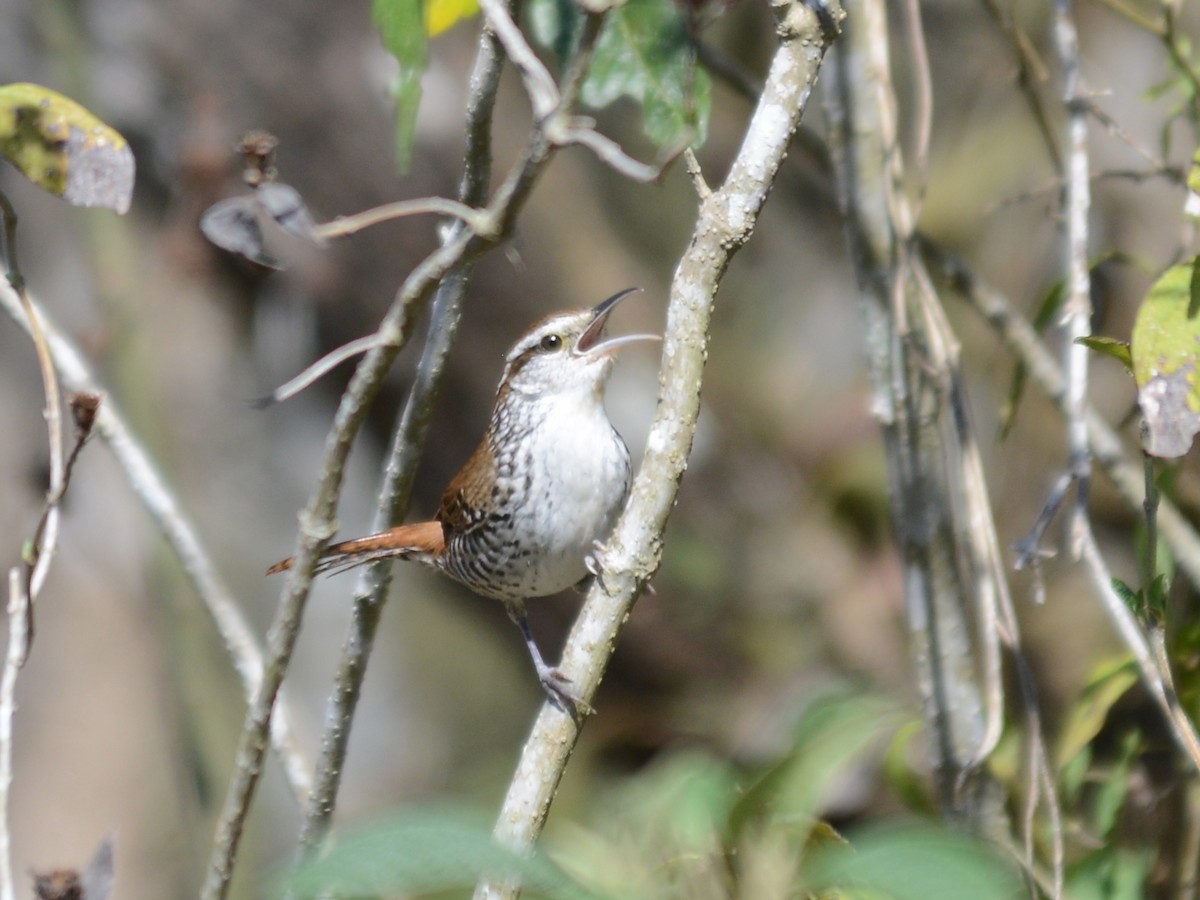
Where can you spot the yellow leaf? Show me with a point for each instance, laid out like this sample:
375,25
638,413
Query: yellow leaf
60,146
441,15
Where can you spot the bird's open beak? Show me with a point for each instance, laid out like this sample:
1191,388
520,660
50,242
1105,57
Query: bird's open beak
590,342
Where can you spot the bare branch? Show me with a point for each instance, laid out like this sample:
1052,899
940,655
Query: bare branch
18,627
40,550
609,152
352,224
1077,307
322,367
703,191
539,83
1155,670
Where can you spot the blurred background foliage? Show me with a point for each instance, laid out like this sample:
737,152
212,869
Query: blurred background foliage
780,583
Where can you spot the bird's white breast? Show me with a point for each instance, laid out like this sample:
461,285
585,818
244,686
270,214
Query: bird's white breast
578,476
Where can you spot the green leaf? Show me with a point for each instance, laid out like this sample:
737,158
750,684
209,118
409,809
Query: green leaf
1131,598
1193,175
61,147
1108,684
904,780
913,862
1110,874
1156,599
682,801
1166,353
675,809
421,851
1118,350
401,25
644,53
831,738
1114,787
1194,290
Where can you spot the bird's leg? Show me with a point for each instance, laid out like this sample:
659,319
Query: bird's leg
553,680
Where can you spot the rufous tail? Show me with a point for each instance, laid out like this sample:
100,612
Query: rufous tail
419,540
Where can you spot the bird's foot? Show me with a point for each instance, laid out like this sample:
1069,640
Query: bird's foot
594,563
558,688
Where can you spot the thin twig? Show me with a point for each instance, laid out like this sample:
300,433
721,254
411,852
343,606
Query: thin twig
1150,510
918,57
321,367
703,191
1077,306
150,488
40,551
18,612
1154,667
610,153
539,83
1030,73
633,551
441,206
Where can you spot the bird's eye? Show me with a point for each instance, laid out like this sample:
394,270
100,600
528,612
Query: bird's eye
551,342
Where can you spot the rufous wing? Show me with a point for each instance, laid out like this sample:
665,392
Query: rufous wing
424,541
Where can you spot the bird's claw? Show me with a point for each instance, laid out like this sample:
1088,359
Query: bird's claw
594,563
556,685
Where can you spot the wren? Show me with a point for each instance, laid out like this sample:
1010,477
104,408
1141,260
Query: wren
527,513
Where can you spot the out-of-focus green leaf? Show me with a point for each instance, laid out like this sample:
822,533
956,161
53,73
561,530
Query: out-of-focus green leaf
1166,353
1114,787
1132,599
1110,874
61,147
401,25
908,785
1194,290
831,737
912,862
1108,684
1118,350
1072,776
421,851
657,833
644,53
683,801
1191,205
442,15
